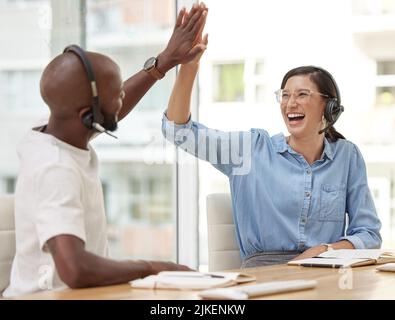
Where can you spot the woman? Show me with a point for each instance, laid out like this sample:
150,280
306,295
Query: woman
293,200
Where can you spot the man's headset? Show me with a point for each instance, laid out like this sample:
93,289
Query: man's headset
333,107
92,119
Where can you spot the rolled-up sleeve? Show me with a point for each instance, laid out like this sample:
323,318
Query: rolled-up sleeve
229,152
364,225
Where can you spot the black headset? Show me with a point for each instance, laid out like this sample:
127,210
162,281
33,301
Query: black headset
92,119
333,107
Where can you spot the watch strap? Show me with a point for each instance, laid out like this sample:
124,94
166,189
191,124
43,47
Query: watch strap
328,246
156,73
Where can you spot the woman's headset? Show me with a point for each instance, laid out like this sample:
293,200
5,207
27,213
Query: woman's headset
333,107
92,119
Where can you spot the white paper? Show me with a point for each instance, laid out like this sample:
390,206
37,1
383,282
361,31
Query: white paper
190,280
352,254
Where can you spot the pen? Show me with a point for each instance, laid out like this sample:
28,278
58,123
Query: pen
213,275
195,275
320,265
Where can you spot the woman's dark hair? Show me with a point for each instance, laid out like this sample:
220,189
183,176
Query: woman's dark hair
325,86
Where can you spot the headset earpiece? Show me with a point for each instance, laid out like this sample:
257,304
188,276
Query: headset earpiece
92,119
87,119
332,110
333,107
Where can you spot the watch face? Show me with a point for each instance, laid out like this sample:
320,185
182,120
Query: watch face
150,63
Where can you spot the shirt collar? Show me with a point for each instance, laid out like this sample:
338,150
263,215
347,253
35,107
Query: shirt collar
280,145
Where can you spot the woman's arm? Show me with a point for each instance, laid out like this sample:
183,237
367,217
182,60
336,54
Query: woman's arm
179,106
229,152
180,100
364,225
316,250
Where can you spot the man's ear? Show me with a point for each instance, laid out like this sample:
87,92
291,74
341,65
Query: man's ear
86,117
83,111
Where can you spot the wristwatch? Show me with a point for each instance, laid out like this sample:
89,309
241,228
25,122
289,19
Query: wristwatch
328,246
150,67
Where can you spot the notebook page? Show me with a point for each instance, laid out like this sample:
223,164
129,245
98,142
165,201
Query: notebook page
352,254
171,282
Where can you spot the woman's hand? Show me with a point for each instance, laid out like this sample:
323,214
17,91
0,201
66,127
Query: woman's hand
200,43
185,43
310,253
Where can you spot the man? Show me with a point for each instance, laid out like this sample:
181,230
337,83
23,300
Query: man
59,209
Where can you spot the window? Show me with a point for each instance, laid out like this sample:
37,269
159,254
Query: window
259,68
22,59
21,90
385,96
373,7
260,93
7,184
385,89
150,196
139,187
10,184
259,81
228,82
386,67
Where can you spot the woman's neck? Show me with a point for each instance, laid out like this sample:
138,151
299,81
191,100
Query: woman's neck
310,147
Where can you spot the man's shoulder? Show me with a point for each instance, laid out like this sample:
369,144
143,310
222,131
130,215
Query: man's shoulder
39,153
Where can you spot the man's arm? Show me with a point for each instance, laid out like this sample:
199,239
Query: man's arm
180,49
79,268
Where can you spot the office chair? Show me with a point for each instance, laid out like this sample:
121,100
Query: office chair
223,250
7,239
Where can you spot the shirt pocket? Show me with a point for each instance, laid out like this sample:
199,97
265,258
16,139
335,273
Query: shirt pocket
332,206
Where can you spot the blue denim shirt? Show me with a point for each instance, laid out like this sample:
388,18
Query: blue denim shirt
280,202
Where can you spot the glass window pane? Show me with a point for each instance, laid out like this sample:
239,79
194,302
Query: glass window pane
139,182
259,68
385,96
228,82
259,93
25,34
386,67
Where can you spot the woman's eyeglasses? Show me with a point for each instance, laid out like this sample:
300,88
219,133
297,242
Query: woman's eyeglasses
301,96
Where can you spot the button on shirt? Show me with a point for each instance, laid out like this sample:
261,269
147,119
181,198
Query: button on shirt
280,202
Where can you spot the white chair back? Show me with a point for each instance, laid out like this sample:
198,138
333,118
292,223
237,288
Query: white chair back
223,250
7,239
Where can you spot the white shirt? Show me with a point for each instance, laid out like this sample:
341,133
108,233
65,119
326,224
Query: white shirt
58,192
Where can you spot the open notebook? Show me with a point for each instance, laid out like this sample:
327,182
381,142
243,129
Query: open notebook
191,280
347,258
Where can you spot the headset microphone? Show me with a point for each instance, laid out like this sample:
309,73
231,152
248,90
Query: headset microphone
99,128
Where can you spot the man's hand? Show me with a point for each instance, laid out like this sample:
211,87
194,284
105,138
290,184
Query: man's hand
185,43
312,252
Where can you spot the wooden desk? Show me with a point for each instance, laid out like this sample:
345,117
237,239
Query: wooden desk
366,283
